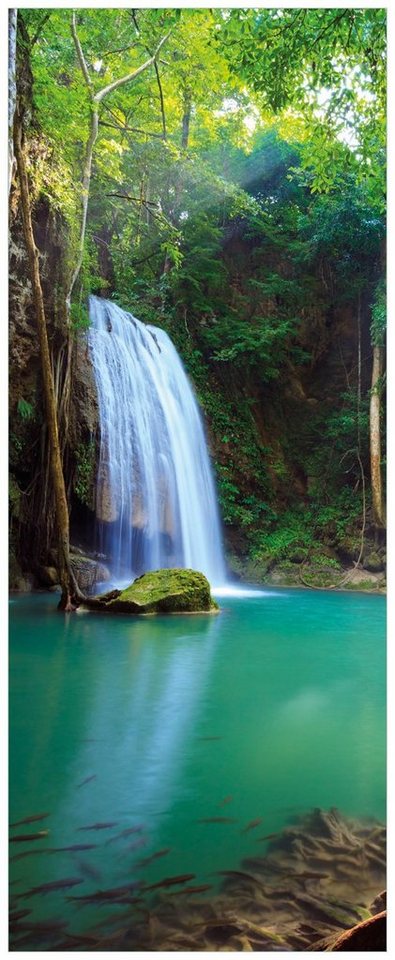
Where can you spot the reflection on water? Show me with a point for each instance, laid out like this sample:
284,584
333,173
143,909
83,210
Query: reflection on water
157,693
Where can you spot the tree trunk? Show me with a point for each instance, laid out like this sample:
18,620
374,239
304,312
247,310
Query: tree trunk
186,119
185,123
86,179
375,444
12,20
96,99
70,591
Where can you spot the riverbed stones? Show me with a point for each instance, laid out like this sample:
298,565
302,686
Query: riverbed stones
159,591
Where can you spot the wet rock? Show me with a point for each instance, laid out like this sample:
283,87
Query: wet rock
23,584
379,903
47,576
370,935
87,571
360,579
85,413
348,548
160,591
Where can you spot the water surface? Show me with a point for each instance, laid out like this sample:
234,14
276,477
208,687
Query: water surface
273,707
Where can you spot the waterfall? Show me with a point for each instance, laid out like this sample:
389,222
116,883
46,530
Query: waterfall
155,497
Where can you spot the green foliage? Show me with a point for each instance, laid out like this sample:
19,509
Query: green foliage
85,468
245,245
292,535
79,316
327,65
25,409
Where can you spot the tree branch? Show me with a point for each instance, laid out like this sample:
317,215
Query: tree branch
96,99
162,103
110,53
127,129
80,55
99,96
331,23
39,28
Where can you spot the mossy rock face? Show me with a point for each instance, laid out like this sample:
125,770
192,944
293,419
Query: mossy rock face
373,562
160,591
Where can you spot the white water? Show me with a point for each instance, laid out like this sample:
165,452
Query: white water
155,501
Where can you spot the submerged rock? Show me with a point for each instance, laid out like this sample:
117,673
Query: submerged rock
159,591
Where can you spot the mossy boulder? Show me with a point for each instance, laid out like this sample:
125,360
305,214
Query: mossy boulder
159,591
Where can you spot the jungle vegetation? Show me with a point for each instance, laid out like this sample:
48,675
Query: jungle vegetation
220,173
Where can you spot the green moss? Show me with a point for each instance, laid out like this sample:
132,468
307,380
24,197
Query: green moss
322,578
160,591
361,585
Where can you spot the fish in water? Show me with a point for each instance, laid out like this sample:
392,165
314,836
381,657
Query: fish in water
238,875
52,887
99,826
154,856
87,780
201,888
26,837
171,881
44,926
126,833
252,824
115,893
32,819
19,914
74,847
225,801
210,738
89,871
141,842
217,820
32,853
269,836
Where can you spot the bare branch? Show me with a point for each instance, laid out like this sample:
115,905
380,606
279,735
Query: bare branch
124,128
162,102
110,53
80,55
99,96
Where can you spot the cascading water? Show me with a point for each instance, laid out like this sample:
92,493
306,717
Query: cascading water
155,502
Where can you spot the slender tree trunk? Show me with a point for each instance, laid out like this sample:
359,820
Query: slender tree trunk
185,124
96,99
86,179
375,443
70,592
12,21
186,119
